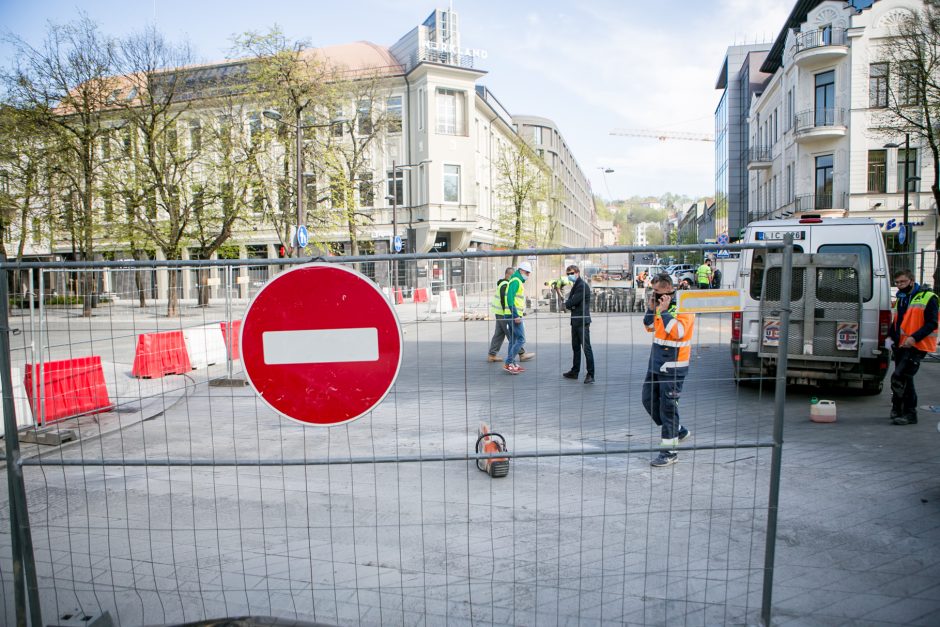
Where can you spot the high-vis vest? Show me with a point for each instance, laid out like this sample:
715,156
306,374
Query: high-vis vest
703,272
498,305
520,295
672,340
914,320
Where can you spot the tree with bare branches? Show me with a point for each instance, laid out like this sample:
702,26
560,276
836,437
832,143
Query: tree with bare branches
293,83
908,99
524,182
65,84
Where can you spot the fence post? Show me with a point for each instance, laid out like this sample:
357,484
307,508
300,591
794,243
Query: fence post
922,266
780,394
24,565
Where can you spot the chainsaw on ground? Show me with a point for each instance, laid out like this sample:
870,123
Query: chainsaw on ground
492,443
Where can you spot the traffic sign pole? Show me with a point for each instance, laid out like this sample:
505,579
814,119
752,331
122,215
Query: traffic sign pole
321,344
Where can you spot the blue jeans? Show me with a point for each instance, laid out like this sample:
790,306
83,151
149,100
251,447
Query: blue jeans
516,340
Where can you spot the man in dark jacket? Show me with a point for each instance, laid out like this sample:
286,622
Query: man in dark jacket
579,304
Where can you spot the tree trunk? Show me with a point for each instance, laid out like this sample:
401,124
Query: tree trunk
172,297
202,286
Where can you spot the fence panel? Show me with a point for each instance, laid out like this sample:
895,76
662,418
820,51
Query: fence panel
189,498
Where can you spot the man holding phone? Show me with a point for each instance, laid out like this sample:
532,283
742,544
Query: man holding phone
668,365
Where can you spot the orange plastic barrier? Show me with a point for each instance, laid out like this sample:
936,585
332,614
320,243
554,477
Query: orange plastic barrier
70,387
453,299
399,297
160,354
421,295
232,345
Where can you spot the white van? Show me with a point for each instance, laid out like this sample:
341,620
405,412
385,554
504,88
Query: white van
841,303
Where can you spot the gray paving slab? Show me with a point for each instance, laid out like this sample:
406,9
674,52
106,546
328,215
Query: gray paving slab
599,539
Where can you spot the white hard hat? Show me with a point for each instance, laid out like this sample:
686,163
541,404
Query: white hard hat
525,266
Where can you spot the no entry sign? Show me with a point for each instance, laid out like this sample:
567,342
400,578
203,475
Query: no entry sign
321,344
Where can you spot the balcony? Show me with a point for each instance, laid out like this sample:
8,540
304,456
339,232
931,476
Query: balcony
820,46
813,203
759,158
818,124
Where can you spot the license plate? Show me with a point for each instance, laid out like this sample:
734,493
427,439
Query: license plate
767,236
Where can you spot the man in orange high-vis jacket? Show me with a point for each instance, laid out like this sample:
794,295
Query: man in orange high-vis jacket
668,365
913,335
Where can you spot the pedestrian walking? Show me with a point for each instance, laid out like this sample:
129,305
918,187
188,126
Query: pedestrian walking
704,274
500,310
668,365
913,335
515,299
579,304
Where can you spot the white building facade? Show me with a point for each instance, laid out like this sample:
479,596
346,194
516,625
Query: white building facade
817,132
431,178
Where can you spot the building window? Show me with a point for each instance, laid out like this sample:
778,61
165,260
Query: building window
776,128
395,187
172,139
126,141
908,89
364,117
257,199
537,134
451,183
108,203
106,145
366,191
336,128
910,156
421,109
825,98
790,111
195,136
789,184
393,111
310,192
823,182
878,85
450,111
877,172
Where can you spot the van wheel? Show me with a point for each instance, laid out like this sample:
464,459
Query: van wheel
872,388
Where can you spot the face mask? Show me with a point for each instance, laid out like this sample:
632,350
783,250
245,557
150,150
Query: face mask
523,277
572,277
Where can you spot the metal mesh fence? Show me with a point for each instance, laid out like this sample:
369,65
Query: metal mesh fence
180,496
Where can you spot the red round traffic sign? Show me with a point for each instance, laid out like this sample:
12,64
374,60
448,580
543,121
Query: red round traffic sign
321,344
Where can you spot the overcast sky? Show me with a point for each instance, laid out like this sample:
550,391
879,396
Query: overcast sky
589,65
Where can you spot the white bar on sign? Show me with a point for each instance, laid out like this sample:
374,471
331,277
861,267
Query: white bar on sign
320,346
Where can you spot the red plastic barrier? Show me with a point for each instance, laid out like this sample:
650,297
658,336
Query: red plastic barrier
70,387
421,295
160,354
453,299
233,349
399,297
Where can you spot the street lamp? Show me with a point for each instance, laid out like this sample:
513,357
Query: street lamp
393,197
908,179
299,128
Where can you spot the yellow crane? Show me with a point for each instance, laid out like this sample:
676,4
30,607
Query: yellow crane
663,135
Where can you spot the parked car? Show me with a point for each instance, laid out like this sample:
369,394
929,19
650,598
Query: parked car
681,271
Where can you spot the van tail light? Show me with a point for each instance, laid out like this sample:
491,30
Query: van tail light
736,320
884,323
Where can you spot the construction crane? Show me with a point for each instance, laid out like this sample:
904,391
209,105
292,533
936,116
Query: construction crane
663,135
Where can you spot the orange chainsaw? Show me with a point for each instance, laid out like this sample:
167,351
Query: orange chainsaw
491,442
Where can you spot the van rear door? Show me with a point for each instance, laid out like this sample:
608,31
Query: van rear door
826,307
